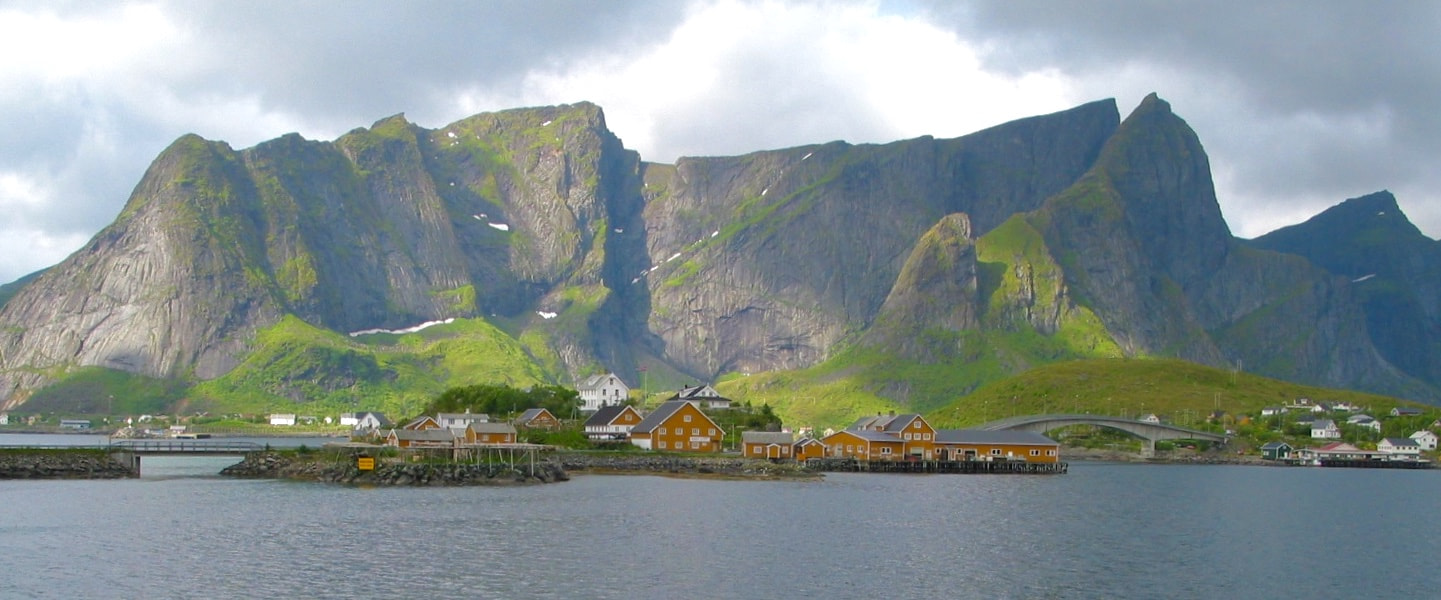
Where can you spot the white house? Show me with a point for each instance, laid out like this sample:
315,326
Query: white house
283,419
4,418
1272,410
1325,429
1425,438
703,396
1366,421
370,421
599,391
460,421
349,419
1400,448
1151,418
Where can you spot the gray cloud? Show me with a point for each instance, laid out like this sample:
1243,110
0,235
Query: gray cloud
1302,103
1299,105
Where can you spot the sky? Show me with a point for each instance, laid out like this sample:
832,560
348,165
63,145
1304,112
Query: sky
1299,105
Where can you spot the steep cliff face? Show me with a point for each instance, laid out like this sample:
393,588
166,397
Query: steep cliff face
1141,238
767,261
1392,267
386,227
923,268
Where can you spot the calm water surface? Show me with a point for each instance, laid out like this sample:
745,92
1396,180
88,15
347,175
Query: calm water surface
1101,531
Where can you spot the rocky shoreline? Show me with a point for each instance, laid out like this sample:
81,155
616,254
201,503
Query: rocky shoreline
60,464
275,465
678,466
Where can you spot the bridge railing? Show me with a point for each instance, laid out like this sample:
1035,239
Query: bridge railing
185,446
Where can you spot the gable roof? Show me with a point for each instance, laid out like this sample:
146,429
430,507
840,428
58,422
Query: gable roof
595,381
807,441
1274,445
870,435
607,415
662,413
783,438
898,423
531,413
1323,424
423,435
1402,442
416,422
492,428
379,418
697,391
984,436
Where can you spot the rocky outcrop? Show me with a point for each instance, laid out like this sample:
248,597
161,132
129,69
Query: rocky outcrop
270,465
1388,264
60,464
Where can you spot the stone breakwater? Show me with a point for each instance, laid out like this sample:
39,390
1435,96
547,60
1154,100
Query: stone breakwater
60,464
701,466
272,465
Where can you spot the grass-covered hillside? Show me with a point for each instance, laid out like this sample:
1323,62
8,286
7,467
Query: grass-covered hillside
298,367
1177,391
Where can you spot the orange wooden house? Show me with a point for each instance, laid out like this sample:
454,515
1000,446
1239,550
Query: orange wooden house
677,425
420,438
913,429
863,444
537,418
807,448
421,423
612,423
775,445
979,444
490,433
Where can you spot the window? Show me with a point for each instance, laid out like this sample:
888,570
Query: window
915,425
662,445
908,437
686,418
885,450
849,449
755,449
995,451
712,432
695,431
1035,453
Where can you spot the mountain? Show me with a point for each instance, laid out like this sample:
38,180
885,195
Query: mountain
1393,268
531,246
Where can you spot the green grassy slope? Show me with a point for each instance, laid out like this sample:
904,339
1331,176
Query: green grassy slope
1176,390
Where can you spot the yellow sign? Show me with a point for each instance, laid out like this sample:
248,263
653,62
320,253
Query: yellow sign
365,463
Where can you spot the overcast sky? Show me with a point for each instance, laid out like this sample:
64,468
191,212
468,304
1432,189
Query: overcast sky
1299,105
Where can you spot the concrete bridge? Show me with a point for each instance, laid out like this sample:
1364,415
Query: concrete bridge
128,452
1150,433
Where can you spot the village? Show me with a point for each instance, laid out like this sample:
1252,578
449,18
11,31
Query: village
684,423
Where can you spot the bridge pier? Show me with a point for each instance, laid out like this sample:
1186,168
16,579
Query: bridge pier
129,460
1148,448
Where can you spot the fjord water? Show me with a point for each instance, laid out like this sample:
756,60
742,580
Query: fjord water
1101,531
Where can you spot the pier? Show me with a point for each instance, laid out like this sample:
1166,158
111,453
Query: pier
959,467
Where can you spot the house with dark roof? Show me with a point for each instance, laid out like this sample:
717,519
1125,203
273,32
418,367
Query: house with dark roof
678,425
490,433
1400,448
1276,451
434,437
704,396
422,422
981,444
537,418
371,421
612,423
1425,438
775,445
864,445
807,448
1402,411
1325,429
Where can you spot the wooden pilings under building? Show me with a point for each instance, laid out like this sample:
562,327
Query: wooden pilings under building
964,467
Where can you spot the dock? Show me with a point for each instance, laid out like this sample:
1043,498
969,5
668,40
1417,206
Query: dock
957,467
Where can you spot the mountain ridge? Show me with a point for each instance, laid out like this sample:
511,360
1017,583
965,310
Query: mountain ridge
1069,235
